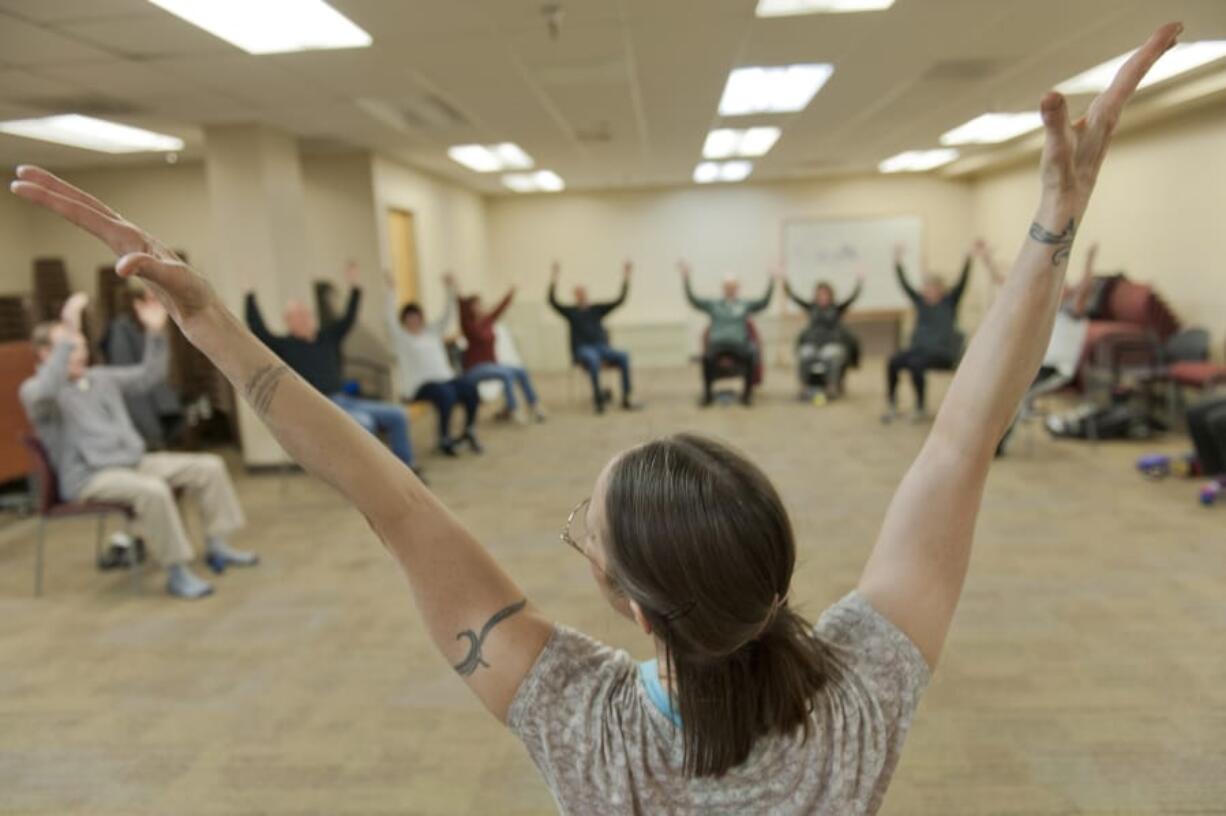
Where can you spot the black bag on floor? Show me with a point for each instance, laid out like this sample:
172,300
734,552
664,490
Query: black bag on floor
1118,421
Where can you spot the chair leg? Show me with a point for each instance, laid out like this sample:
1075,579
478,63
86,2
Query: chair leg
98,539
38,557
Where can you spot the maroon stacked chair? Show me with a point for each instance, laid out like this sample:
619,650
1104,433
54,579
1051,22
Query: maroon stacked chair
50,506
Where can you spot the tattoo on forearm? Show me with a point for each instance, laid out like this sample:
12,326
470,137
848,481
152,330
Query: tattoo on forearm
473,659
1062,241
262,386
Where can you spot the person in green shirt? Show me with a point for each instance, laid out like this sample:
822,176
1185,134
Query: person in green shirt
729,333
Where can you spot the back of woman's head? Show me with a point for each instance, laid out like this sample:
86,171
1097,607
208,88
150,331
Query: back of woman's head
698,538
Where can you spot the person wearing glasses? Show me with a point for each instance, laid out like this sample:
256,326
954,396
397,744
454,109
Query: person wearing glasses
748,707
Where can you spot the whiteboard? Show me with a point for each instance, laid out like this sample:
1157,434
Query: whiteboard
834,250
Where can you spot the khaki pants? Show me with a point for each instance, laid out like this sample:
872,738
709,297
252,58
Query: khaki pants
149,487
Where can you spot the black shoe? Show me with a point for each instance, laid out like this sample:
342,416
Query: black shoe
600,403
447,448
471,439
630,405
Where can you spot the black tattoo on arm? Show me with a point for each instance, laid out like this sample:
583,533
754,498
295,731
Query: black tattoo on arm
262,386
1062,241
473,659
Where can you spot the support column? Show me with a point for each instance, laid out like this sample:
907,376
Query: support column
258,215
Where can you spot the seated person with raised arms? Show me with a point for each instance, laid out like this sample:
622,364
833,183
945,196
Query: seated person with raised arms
589,340
314,352
728,335
79,415
935,340
825,339
481,359
425,369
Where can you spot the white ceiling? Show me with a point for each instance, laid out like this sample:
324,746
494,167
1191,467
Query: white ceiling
624,97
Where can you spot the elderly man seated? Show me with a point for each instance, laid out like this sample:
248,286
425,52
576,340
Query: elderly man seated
79,415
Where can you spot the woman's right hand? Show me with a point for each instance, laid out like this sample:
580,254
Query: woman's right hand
187,296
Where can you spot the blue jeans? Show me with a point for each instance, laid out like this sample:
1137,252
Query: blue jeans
593,357
444,395
380,417
508,376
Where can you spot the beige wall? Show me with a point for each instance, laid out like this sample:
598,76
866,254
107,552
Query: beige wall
450,222
14,245
720,230
1159,213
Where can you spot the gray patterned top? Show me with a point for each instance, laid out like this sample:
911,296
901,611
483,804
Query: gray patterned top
604,747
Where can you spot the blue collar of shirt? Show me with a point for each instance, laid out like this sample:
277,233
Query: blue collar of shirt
649,673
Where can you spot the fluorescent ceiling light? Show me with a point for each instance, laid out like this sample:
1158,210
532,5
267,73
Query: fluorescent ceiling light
991,128
727,142
271,26
91,134
1180,59
915,161
707,172
786,8
777,89
542,181
491,158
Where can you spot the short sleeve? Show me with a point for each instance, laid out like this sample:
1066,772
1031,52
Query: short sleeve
884,658
561,710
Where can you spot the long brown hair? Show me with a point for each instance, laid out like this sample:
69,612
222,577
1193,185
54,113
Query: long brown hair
699,539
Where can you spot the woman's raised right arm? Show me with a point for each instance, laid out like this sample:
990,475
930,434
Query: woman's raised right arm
478,618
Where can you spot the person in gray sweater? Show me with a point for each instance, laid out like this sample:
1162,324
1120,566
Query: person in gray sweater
79,415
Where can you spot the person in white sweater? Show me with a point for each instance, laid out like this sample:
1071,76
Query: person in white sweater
425,369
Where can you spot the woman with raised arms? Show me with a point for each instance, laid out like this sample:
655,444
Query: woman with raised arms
749,708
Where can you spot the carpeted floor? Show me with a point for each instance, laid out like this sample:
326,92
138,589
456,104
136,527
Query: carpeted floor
1086,672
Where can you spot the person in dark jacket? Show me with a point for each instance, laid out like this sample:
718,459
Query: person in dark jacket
589,340
935,340
825,340
314,352
157,412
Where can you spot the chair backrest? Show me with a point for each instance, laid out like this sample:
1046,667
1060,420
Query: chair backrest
1188,345
44,472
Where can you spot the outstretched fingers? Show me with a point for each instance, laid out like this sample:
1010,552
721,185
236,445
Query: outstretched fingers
54,183
1105,110
120,237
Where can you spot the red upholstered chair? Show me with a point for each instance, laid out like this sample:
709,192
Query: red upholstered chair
1130,310
51,507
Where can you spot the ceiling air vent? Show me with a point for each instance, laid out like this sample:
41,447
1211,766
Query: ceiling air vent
425,112
962,70
86,105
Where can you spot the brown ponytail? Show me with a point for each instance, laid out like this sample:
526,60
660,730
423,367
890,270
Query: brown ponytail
698,537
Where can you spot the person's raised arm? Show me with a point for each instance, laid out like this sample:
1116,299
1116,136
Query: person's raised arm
440,325
1081,297
476,615
155,359
343,326
611,305
959,288
855,294
555,272
795,298
764,301
701,304
495,313
255,320
901,272
915,574
51,375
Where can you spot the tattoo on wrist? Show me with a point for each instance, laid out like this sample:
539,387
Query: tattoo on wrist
473,659
262,386
1062,241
